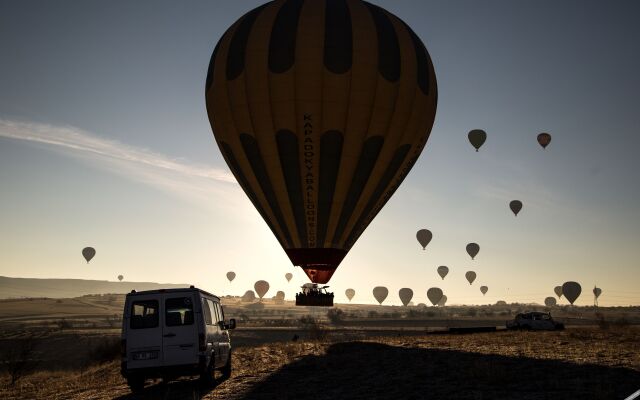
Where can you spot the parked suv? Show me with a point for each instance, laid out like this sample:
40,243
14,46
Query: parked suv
169,333
534,321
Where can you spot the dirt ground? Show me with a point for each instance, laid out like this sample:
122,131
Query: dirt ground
575,363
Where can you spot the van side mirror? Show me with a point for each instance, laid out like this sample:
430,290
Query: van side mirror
231,324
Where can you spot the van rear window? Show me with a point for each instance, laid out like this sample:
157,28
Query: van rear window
144,314
178,311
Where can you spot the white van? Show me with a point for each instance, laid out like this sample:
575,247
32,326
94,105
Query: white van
168,333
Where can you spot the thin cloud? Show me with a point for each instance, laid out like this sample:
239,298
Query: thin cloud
195,182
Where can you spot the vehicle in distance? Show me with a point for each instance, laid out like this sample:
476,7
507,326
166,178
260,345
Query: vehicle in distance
168,333
534,321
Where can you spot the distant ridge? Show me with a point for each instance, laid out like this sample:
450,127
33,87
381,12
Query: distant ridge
59,288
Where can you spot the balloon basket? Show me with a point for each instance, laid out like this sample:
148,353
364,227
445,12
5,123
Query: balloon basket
312,295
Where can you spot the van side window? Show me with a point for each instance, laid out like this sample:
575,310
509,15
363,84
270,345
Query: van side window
206,311
220,313
178,311
144,314
214,312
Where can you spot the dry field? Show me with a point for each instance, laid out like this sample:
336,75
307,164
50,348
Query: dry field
583,363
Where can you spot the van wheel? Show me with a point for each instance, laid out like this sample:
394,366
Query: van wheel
136,383
226,369
208,375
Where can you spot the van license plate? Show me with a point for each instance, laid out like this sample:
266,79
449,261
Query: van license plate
145,355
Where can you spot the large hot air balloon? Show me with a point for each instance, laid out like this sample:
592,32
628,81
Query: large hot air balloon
471,276
544,139
515,206
443,271
380,293
231,276
120,278
473,249
288,276
571,291
350,293
424,237
558,291
406,295
484,290
477,138
443,301
597,292
261,287
320,109
88,253
550,301
434,295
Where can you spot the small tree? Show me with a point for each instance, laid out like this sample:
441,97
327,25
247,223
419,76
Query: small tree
335,315
18,360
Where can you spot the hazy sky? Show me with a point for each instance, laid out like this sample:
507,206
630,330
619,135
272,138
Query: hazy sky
104,141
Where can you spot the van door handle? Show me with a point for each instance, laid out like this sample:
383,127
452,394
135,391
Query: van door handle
169,335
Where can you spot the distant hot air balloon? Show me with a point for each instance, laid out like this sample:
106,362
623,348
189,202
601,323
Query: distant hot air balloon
231,276
350,293
558,291
443,271
320,109
597,292
571,291
288,276
424,237
484,290
380,293
473,249
406,295
515,206
550,301
261,287
88,253
249,295
477,138
471,276
443,301
120,278
434,295
279,295
544,139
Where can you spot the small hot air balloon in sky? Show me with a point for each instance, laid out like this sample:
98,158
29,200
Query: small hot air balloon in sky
443,301
350,293
231,276
288,276
120,278
484,290
558,291
88,253
320,109
473,249
471,276
424,237
544,139
515,206
550,301
571,291
380,293
597,292
443,271
477,138
261,287
434,295
406,295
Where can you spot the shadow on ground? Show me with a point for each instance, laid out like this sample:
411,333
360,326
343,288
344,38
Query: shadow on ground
180,389
360,370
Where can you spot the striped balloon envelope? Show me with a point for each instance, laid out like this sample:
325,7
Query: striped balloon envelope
320,108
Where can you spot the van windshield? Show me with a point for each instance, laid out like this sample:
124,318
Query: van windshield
144,314
178,311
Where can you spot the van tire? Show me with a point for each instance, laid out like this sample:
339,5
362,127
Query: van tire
226,369
208,375
136,383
